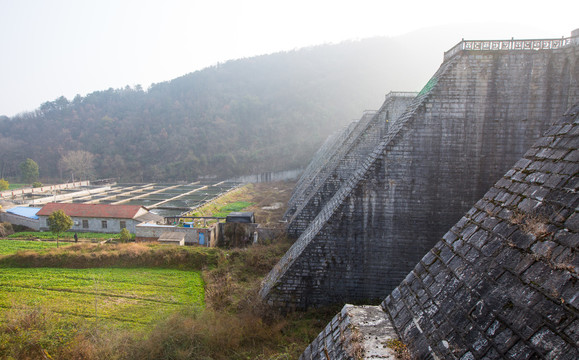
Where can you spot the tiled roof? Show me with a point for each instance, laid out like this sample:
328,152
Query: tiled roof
93,210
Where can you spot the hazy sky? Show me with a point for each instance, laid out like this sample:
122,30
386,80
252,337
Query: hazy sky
51,48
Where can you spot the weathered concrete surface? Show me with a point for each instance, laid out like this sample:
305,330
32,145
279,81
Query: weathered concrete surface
473,120
503,282
357,332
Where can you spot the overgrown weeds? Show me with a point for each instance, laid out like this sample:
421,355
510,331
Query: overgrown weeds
400,349
531,224
115,255
6,229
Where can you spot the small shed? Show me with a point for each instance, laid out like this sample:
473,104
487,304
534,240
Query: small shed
20,215
240,217
172,238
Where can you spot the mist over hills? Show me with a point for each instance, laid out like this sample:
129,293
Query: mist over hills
265,113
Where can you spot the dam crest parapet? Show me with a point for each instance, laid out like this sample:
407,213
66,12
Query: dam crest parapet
509,45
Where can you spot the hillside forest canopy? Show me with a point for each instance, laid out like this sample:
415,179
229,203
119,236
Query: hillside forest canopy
246,116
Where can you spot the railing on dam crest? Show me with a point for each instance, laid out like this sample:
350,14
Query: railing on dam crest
507,45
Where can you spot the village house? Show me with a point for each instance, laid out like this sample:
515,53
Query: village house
102,218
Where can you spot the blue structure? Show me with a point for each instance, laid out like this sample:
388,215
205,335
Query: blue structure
29,212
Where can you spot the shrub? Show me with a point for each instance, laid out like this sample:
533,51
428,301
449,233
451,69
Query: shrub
36,184
4,185
125,236
6,229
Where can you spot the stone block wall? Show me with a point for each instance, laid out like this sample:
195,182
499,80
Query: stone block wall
503,282
471,122
328,148
323,163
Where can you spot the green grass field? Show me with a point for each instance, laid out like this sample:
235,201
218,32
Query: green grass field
125,298
16,186
8,247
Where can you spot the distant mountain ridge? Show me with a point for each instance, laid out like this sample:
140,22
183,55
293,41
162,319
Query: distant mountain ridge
265,113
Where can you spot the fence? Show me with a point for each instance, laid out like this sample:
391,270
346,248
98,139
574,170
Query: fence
507,45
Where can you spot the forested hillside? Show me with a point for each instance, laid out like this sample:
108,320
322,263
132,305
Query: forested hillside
245,116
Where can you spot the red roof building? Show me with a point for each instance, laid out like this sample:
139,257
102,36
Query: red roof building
95,210
100,217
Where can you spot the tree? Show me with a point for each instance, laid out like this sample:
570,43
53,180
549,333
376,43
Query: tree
125,236
29,171
59,222
4,185
79,162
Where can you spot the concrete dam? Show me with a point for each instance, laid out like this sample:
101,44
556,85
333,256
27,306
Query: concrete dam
500,284
380,194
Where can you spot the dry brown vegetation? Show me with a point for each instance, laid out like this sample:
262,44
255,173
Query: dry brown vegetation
6,229
80,256
531,224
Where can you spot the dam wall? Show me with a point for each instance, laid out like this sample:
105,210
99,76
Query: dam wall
502,283
472,121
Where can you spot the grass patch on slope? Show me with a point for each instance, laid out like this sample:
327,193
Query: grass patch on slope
233,207
236,199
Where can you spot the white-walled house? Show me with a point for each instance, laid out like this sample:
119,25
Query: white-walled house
102,218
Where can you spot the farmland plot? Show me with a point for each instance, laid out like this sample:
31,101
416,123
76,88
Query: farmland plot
11,246
124,297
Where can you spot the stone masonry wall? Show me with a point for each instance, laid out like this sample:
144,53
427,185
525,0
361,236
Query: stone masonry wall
347,158
503,282
473,120
394,105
